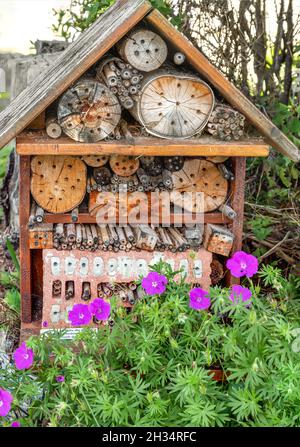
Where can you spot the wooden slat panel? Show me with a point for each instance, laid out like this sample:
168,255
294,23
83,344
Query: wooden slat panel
36,143
86,218
70,65
228,90
25,256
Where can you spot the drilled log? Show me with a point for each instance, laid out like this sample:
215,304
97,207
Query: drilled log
102,176
199,176
173,104
58,183
95,161
124,166
53,128
143,49
88,111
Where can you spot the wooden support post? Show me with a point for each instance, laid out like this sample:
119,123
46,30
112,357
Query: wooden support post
25,255
237,202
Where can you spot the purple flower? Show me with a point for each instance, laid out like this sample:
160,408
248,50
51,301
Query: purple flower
80,315
100,308
60,379
16,424
23,357
242,264
154,283
239,293
199,299
5,402
45,324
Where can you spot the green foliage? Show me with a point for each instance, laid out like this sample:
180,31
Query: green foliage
287,118
10,280
13,255
261,227
152,367
82,13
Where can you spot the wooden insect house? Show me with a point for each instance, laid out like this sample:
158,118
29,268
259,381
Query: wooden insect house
132,149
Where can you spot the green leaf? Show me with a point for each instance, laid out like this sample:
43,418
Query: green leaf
13,255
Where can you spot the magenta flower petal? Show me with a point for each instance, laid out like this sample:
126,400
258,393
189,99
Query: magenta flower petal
80,315
242,264
60,379
45,324
5,402
23,357
199,299
154,283
100,309
240,293
16,424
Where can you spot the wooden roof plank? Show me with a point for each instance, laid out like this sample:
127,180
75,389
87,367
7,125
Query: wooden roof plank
91,45
234,97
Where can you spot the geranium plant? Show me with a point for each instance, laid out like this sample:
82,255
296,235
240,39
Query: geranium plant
154,366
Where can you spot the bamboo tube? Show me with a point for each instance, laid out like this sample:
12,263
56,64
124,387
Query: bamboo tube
71,233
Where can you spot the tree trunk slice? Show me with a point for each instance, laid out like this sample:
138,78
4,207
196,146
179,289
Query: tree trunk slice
220,159
144,50
123,165
95,161
89,111
58,183
173,105
200,176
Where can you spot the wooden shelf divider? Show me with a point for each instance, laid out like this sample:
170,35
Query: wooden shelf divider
86,218
38,143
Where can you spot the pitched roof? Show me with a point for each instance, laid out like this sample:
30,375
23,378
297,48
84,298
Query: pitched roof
95,42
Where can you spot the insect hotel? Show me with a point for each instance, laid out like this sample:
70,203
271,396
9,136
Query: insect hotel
130,119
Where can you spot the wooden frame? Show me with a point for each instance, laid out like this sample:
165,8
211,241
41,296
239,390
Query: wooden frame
29,258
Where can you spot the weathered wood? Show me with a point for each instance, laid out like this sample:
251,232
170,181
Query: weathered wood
58,184
40,144
124,166
237,194
234,97
218,239
95,161
25,256
70,65
200,176
102,176
143,49
174,163
173,104
40,238
53,128
88,111
84,218
39,122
